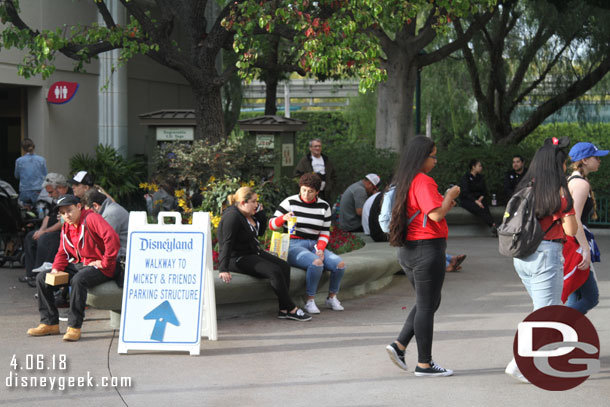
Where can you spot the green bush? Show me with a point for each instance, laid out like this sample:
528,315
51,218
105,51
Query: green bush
120,177
271,194
190,165
453,164
496,160
597,133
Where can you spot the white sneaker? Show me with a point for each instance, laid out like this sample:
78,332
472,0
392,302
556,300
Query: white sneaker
46,266
310,307
513,370
334,303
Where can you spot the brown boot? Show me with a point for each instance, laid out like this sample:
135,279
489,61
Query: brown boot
44,329
72,334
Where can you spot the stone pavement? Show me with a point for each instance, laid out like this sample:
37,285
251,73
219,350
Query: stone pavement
337,359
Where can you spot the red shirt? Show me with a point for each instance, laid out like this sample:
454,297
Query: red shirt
424,196
556,231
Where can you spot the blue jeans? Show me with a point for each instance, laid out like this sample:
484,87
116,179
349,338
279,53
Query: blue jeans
302,254
587,296
542,274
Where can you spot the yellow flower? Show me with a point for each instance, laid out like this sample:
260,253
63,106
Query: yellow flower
251,183
215,221
149,187
211,179
179,193
182,203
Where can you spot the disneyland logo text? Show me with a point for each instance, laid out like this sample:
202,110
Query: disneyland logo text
168,244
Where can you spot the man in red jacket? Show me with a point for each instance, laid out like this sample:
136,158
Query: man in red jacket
87,252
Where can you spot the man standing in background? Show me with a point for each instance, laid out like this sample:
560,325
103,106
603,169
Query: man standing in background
318,163
30,170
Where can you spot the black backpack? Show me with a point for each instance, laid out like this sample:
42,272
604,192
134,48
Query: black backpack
520,233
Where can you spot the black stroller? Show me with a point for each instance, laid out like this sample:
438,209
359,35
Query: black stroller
15,223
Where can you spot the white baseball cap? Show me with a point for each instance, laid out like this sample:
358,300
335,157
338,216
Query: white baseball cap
374,178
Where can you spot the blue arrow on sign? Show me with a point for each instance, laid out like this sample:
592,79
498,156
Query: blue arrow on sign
163,314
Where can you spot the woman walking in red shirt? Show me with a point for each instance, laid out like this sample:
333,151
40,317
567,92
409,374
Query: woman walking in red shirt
419,227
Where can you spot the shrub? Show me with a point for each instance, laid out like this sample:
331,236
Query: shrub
596,133
453,164
120,177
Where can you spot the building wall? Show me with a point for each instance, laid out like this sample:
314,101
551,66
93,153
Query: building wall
61,131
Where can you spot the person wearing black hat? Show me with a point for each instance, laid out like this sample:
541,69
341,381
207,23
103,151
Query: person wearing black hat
87,252
81,183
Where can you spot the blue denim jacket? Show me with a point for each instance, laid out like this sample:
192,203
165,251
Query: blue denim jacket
30,170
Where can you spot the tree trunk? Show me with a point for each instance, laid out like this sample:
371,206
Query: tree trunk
209,116
271,81
395,124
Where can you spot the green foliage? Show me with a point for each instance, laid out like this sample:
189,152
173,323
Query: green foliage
594,133
192,164
336,38
361,115
120,177
496,160
78,41
215,194
447,96
270,194
453,164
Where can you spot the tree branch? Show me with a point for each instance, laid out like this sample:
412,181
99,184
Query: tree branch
435,56
576,90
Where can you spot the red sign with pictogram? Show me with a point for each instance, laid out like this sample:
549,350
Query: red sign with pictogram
62,92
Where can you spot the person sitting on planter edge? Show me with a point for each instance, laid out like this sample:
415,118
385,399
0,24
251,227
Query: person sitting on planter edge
87,252
240,251
308,241
473,194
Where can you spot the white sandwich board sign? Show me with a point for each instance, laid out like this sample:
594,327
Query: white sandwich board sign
168,294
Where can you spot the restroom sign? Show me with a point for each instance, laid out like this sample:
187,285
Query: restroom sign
168,294
62,92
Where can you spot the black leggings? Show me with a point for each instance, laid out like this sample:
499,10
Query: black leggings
265,265
424,263
476,210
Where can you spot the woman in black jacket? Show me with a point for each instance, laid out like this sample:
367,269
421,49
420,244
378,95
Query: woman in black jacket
473,194
240,251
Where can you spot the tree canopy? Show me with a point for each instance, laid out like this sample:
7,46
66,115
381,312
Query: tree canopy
532,53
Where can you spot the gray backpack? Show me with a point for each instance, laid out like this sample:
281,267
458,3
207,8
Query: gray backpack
520,233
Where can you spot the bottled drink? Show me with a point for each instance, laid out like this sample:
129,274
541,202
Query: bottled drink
40,211
494,201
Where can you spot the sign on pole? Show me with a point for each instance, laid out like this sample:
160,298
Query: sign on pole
168,295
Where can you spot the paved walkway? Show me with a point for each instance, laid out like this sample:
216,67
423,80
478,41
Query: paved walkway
338,359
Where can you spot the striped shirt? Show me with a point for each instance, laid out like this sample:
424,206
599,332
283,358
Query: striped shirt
313,219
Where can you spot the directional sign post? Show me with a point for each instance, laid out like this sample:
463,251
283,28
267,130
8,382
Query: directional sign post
168,297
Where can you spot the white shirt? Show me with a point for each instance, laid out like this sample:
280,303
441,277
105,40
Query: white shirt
366,210
317,163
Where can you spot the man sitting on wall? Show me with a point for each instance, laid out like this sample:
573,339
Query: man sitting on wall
352,202
41,245
87,252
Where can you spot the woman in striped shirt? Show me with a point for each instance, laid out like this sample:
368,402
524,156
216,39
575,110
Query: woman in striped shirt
309,239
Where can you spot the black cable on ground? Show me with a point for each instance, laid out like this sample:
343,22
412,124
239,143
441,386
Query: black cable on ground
110,371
